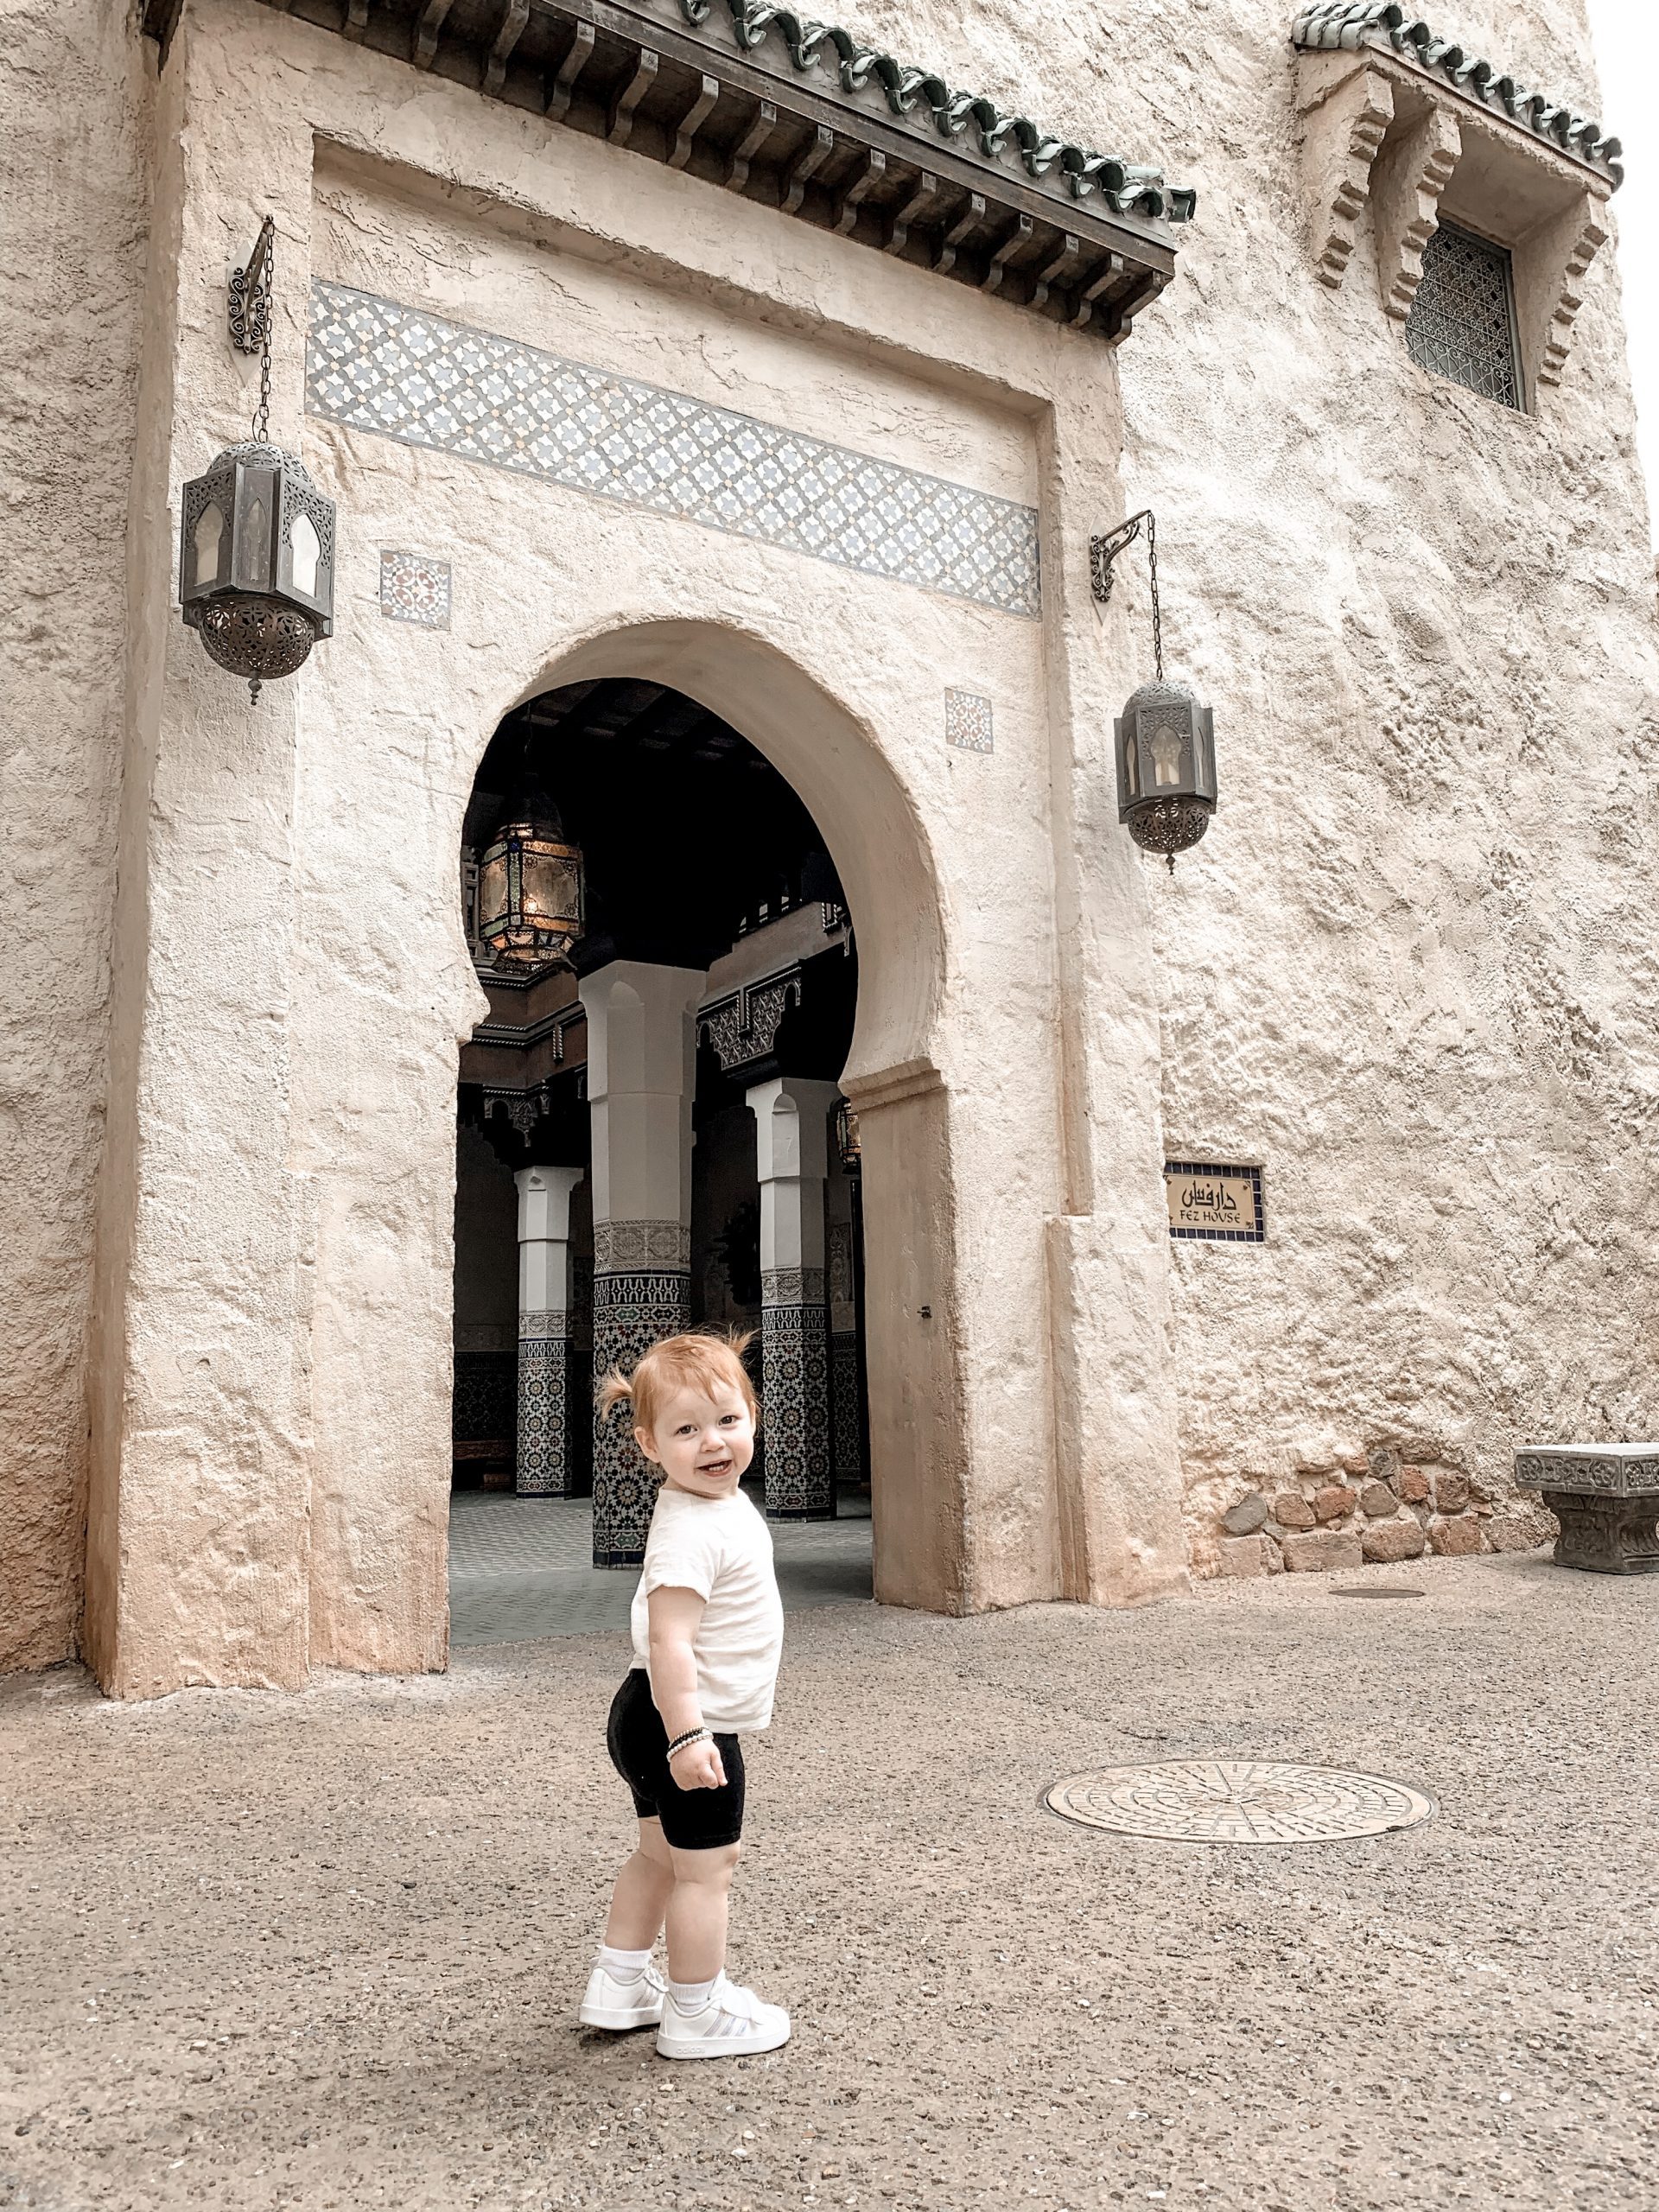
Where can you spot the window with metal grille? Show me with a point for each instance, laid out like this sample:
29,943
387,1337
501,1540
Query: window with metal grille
1462,321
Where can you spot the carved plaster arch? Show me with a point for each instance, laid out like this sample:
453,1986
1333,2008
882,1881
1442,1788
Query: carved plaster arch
837,767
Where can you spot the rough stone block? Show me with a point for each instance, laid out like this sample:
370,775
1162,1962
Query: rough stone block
1247,1517
1413,1485
1333,1501
1246,1556
1451,1492
1290,1510
1379,1500
1383,1464
1520,1527
1456,1539
1323,1551
1387,1542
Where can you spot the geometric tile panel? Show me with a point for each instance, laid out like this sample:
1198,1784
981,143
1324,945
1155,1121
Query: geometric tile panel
542,1465
1462,319
968,722
375,364
795,1404
415,590
631,1312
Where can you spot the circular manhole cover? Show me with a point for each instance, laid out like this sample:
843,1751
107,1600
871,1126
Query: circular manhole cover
1238,1800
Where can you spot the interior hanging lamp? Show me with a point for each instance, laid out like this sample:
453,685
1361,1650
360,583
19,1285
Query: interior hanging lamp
256,536
529,888
1165,740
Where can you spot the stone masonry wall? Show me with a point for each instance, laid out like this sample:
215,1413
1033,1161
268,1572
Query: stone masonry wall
73,99
1373,1509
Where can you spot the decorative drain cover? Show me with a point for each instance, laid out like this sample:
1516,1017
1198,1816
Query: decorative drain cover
1238,1800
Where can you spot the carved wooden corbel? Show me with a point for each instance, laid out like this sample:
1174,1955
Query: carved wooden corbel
1345,111
1406,188
1549,268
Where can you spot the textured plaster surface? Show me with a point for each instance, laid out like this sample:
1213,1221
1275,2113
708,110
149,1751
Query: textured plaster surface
1415,967
1409,968
72,105
266,1951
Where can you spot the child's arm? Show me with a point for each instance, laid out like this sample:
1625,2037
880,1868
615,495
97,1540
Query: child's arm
674,1615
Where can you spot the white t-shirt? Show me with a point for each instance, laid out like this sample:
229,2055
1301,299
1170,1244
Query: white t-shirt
721,1548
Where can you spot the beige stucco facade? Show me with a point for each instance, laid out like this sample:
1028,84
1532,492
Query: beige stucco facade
1410,969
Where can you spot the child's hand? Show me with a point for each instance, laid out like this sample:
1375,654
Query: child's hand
698,1767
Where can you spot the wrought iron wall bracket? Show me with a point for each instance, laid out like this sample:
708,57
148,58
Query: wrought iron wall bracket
248,304
1104,549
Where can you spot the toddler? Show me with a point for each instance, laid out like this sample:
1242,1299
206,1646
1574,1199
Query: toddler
708,1631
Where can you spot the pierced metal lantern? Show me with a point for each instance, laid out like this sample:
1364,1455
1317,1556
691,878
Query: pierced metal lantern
530,890
847,1144
1165,768
257,561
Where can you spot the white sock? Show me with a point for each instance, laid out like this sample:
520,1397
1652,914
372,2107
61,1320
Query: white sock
623,1966
692,1996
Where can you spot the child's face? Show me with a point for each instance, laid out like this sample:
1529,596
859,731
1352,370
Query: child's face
702,1442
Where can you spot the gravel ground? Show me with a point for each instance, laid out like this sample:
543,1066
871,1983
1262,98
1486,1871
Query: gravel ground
325,1951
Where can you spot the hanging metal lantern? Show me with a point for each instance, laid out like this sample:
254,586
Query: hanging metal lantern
1165,739
530,890
257,561
1165,768
256,536
847,1144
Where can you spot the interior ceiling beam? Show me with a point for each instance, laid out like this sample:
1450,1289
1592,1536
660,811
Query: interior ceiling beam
804,118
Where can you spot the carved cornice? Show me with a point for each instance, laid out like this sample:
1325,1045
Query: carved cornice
801,116
743,1027
626,1247
1347,26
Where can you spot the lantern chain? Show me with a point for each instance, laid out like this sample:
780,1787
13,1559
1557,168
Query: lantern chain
1102,551
262,412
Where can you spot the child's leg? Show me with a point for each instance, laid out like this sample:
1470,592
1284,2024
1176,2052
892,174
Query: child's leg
642,1892
696,1911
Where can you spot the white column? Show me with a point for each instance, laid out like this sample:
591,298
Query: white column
543,1463
641,1076
791,1156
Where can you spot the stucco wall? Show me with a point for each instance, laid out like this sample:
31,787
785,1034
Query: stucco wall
72,101
1413,968
1407,967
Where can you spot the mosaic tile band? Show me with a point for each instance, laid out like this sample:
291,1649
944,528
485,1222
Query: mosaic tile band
844,1424
542,1466
375,364
795,1403
630,1312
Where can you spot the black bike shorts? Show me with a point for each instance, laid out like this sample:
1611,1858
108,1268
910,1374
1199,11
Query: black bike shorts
693,1819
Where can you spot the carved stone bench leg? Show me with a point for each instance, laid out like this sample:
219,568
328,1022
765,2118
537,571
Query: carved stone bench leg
1606,1535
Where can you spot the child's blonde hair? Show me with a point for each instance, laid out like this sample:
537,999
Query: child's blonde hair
700,1360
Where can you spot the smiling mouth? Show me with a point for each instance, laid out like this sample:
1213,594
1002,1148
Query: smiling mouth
714,1466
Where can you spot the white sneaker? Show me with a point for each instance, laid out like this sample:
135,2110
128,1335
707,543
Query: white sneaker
732,2024
613,2004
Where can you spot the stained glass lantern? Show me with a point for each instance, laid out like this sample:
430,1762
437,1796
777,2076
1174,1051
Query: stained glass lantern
1165,768
256,562
847,1144
530,890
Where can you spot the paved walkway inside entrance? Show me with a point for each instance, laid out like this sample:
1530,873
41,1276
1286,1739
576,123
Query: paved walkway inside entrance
521,1567
324,1951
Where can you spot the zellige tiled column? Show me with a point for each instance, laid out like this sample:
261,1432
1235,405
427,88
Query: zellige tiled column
791,1153
543,1465
846,1422
641,1074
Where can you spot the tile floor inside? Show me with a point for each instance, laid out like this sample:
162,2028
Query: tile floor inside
519,1568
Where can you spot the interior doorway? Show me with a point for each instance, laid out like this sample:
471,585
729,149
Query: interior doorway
649,1135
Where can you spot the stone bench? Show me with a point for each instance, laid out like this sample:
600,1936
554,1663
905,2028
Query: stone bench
1606,1499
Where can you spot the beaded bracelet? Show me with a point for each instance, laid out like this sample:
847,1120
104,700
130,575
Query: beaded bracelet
691,1736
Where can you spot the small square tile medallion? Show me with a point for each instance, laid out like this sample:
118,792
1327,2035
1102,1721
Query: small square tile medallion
968,722
415,590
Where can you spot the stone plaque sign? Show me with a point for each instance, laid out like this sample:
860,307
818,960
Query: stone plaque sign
1221,1203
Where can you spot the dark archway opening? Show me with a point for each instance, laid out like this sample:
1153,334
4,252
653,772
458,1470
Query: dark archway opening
697,855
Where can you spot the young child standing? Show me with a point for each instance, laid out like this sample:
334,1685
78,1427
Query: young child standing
708,1632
